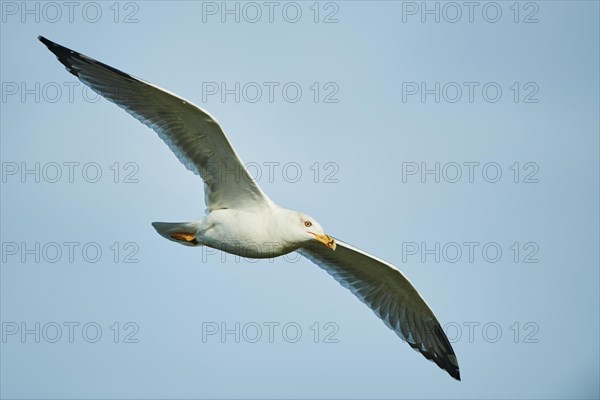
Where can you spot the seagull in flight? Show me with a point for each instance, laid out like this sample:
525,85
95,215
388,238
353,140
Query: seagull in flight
241,219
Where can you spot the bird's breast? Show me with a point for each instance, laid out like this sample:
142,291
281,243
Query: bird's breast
245,234
251,247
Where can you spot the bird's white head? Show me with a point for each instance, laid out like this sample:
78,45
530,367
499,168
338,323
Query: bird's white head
307,228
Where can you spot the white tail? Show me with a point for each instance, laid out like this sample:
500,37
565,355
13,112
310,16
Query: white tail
180,232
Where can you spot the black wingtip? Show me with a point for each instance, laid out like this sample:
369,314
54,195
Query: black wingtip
55,48
452,369
455,374
73,60
445,358
46,42
62,53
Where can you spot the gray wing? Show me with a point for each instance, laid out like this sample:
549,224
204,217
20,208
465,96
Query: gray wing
190,132
391,296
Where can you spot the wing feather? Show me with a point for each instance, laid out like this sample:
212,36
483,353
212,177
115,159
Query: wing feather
391,296
191,133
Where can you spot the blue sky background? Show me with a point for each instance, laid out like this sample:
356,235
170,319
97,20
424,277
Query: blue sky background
546,312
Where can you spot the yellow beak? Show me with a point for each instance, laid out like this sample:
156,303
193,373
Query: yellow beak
328,241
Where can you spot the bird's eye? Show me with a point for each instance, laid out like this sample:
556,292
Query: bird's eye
307,224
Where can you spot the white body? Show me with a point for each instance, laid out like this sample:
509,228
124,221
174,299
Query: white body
254,233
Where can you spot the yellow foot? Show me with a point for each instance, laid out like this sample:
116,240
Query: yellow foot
185,237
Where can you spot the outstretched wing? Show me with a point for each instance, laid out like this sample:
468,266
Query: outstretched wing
391,296
190,132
